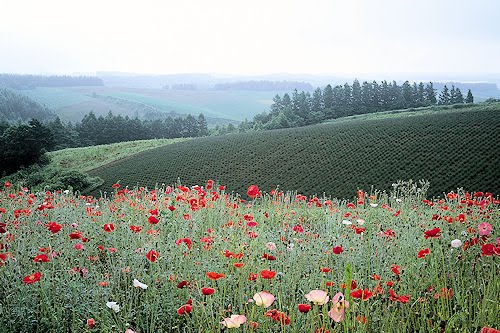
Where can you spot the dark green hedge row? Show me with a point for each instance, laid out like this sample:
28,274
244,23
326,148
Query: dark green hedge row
451,149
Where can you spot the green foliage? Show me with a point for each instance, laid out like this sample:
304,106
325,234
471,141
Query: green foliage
23,145
42,179
449,147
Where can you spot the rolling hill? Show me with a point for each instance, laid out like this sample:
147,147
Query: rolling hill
218,106
451,147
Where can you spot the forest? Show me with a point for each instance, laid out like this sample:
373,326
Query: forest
302,108
17,81
23,144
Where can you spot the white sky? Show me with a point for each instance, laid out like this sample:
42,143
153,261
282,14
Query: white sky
250,37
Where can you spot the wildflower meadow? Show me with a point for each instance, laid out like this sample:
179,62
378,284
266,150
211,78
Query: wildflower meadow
197,259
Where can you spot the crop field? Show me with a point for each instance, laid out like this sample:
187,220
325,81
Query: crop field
449,147
72,103
181,259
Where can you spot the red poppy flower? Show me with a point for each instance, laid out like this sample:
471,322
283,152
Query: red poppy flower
115,185
152,255
253,191
298,228
108,227
207,291
182,284
423,253
32,278
41,258
359,230
395,269
152,219
338,250
488,330
360,293
268,256
75,235
304,308
238,264
375,277
135,228
396,298
215,276
186,241
265,274
325,269
253,276
278,316
90,323
433,233
489,250
53,227
185,309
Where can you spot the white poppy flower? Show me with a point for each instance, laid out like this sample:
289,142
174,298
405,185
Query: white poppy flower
139,284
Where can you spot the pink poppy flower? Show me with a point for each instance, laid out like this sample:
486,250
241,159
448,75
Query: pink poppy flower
234,321
318,297
264,299
337,313
484,228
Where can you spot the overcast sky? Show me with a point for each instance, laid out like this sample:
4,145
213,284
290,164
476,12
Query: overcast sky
250,37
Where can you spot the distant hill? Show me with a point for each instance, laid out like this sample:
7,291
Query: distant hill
16,107
18,81
449,146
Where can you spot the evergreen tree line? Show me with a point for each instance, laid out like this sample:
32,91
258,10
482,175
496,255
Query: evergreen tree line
302,108
18,81
24,144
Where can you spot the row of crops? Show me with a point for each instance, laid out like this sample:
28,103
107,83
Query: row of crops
450,149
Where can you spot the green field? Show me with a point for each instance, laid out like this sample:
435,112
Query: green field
72,103
87,158
449,147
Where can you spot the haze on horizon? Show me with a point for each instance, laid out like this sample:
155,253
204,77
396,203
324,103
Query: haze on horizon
250,38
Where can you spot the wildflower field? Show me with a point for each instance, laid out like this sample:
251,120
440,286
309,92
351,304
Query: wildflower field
195,259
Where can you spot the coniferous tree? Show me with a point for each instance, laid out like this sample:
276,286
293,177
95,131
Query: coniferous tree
430,94
358,107
469,99
407,94
202,125
444,97
456,96
328,97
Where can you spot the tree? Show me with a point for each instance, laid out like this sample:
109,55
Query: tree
408,96
430,94
23,145
328,97
358,106
202,125
469,99
444,97
277,105
456,96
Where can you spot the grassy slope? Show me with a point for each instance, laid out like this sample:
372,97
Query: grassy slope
449,147
87,158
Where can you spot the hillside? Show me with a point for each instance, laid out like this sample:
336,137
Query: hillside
450,147
16,107
219,107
